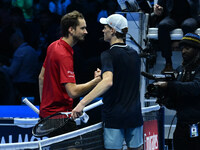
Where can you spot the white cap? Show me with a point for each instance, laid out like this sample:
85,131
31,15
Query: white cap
116,21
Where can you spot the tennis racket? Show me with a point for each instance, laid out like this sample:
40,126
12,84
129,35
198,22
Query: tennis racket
58,123
27,102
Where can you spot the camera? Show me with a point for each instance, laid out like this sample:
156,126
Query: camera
154,91
158,92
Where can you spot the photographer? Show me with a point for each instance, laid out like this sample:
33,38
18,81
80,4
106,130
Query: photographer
185,94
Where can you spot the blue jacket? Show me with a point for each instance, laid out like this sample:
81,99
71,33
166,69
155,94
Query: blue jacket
25,65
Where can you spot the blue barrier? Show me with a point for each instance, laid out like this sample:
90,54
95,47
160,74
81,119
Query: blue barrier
21,111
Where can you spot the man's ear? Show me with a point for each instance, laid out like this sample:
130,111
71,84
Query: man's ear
113,31
71,30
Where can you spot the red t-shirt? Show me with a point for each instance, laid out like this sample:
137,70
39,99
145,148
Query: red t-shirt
59,69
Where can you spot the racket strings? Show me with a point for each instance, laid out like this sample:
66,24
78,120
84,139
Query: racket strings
51,124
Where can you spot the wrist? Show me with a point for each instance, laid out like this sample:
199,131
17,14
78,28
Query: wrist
97,79
82,103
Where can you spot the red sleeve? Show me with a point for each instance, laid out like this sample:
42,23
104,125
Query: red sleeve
66,68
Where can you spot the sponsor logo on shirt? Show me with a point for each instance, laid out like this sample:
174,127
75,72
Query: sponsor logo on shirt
70,74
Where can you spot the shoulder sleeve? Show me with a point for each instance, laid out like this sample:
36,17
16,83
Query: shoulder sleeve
106,62
66,69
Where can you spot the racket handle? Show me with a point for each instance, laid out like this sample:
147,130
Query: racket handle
27,102
91,106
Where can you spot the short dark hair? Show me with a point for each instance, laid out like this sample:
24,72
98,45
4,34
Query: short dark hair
70,20
122,35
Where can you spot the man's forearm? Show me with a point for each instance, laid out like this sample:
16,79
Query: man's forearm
100,89
76,90
40,88
41,79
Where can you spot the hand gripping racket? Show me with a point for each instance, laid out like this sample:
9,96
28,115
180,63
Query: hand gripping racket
84,118
58,123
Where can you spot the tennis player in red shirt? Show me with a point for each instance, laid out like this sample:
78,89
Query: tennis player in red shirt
57,81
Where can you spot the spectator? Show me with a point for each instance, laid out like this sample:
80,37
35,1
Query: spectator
17,21
185,96
120,88
177,14
58,6
24,67
26,6
57,81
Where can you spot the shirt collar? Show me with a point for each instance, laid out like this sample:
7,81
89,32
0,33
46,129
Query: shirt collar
67,46
118,45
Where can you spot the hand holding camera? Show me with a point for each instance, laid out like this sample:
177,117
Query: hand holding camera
158,88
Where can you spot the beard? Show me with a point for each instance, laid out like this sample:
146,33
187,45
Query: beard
79,38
